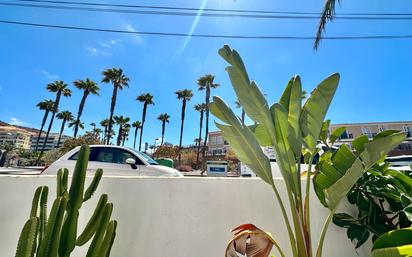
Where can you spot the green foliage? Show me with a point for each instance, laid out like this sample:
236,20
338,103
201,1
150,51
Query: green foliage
57,235
295,130
383,200
397,243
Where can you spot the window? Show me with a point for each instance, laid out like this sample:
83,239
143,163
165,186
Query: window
381,128
366,131
110,155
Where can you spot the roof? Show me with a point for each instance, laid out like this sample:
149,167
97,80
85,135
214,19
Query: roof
372,123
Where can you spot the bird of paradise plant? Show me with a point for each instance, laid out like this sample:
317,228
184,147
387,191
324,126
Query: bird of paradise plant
293,130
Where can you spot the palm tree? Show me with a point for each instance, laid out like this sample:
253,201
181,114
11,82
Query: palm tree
119,81
146,99
126,130
60,88
238,105
327,14
201,108
89,87
64,116
93,125
206,83
47,106
121,121
97,132
136,125
73,125
163,118
104,123
184,95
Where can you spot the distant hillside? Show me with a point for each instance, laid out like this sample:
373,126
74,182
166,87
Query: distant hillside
2,123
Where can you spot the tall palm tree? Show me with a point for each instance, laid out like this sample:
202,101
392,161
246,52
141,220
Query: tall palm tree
64,116
47,107
201,108
104,123
89,87
97,132
327,14
119,81
126,130
121,121
206,83
146,99
238,105
163,118
136,125
60,88
184,95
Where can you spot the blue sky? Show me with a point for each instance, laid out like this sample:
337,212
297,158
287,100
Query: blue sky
374,86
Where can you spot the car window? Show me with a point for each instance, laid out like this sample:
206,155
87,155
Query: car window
112,155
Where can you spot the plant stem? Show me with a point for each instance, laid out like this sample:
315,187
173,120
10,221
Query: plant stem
307,206
324,230
292,239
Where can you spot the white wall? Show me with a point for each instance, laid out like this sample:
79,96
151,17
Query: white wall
176,217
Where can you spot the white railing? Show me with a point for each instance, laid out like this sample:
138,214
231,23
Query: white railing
173,217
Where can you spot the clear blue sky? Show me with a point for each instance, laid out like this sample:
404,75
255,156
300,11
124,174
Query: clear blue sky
375,85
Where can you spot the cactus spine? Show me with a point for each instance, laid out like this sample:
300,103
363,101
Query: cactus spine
56,235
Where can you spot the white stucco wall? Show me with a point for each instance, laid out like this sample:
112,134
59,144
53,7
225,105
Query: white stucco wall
174,217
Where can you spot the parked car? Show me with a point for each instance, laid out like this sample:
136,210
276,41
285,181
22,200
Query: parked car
114,160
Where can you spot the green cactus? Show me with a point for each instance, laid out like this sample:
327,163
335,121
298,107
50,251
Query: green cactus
56,235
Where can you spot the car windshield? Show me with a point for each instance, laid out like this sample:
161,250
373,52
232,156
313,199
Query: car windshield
145,156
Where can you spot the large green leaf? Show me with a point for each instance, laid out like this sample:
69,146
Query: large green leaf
315,108
334,180
396,243
261,134
291,100
248,93
242,140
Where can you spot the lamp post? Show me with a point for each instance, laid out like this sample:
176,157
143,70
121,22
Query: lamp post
154,145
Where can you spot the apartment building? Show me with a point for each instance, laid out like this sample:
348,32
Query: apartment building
51,142
371,129
19,138
216,144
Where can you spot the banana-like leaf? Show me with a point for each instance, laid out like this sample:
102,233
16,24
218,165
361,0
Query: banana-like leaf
93,185
291,100
261,134
248,93
315,109
334,180
285,156
241,138
396,243
27,240
336,134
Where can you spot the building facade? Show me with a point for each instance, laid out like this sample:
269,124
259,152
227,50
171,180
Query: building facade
51,142
216,145
19,138
354,130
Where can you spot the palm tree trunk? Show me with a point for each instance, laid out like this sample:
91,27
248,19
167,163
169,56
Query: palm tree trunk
46,114
105,134
181,128
141,129
135,136
61,132
207,125
163,131
200,138
119,136
123,140
113,104
55,108
79,113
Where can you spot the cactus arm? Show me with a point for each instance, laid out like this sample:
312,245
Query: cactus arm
98,237
69,231
65,178
93,185
43,213
49,244
35,202
108,240
27,240
93,223
59,183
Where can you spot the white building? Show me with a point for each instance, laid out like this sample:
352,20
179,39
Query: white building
51,141
17,137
